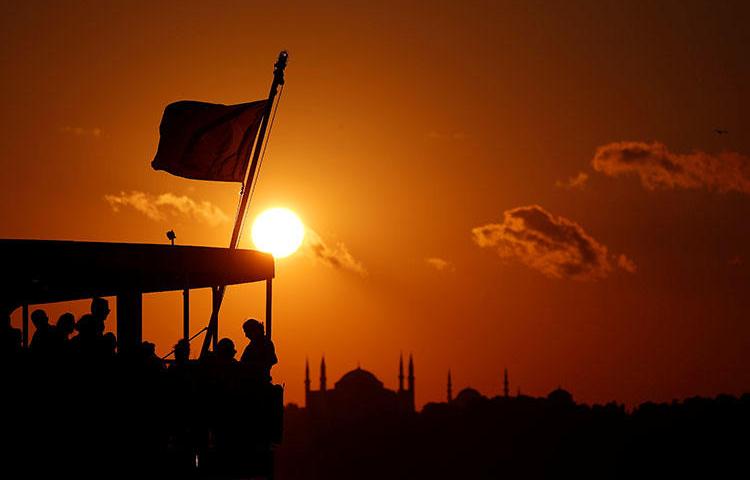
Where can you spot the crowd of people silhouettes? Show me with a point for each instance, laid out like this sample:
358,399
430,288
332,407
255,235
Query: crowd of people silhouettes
126,415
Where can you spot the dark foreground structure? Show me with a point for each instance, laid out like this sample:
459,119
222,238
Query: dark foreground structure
551,437
106,407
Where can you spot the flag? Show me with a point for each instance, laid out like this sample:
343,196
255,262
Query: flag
208,141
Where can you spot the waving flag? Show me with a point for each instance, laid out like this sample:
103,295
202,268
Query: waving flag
208,141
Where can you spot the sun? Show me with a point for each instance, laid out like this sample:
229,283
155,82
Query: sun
278,231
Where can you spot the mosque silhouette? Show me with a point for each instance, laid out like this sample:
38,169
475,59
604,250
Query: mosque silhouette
359,393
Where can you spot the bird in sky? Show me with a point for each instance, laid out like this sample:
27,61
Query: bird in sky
720,131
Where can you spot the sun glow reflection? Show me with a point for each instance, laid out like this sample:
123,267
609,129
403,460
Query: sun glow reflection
278,231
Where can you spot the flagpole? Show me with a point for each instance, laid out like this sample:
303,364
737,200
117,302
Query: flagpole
278,80
247,188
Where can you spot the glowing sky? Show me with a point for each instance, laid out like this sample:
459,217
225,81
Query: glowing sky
530,185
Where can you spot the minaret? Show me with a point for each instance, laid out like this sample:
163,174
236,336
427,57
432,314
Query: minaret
450,387
410,380
506,386
401,372
307,379
323,374
410,383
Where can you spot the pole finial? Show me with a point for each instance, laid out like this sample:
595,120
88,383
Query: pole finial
279,66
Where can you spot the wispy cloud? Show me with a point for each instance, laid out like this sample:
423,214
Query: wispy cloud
335,256
626,263
555,246
81,131
166,205
577,182
657,167
439,264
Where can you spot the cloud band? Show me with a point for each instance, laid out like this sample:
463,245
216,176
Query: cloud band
555,246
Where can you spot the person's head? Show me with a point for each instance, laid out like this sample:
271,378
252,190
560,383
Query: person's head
66,323
39,319
148,349
99,308
182,350
225,349
253,329
86,325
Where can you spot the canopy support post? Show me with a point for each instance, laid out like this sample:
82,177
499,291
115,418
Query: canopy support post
186,314
217,296
269,291
25,325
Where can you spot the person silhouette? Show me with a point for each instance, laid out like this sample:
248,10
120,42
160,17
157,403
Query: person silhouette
43,340
149,360
100,312
83,345
186,428
60,336
260,354
225,352
65,325
181,352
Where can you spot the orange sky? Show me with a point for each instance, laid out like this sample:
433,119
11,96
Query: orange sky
403,127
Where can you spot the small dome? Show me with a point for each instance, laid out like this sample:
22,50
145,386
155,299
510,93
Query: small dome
560,396
359,378
468,396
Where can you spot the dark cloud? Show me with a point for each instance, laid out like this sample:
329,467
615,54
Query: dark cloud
555,246
657,167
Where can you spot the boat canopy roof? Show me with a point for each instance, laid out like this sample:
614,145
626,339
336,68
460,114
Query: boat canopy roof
47,271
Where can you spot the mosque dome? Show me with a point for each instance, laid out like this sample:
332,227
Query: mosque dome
359,379
560,396
468,396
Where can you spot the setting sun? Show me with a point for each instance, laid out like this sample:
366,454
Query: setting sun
278,231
